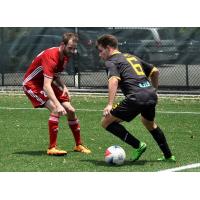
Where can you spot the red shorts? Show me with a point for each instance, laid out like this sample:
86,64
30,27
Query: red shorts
38,97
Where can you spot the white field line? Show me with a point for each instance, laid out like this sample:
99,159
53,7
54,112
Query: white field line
178,112
178,169
95,95
94,110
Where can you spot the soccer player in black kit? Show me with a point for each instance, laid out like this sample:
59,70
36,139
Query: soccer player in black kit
138,81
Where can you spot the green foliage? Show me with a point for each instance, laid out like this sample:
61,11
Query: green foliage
24,137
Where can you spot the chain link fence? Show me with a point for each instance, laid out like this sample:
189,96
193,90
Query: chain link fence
175,51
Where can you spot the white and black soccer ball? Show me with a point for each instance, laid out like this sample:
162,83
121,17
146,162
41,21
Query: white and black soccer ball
115,155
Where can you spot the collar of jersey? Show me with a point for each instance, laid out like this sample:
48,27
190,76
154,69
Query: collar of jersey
115,52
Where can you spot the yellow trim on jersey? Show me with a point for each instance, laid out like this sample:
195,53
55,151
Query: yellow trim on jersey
153,70
115,52
116,77
115,105
128,56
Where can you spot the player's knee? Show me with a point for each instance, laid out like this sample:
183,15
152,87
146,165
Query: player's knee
53,109
148,124
71,110
105,123
68,107
50,106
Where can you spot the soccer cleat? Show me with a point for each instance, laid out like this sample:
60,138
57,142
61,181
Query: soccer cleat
138,152
56,152
171,159
82,149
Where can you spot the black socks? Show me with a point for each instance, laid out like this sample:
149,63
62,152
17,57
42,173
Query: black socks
119,131
159,137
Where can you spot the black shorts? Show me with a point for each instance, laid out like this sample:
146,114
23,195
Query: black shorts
128,110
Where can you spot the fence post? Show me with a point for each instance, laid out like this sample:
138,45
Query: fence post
187,76
77,64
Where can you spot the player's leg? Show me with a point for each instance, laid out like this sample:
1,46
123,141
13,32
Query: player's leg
147,118
112,124
124,112
39,99
74,125
53,124
73,122
72,119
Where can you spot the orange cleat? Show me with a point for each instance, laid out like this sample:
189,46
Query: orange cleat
56,152
82,149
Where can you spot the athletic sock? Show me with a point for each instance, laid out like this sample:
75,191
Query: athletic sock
159,137
53,130
119,131
75,128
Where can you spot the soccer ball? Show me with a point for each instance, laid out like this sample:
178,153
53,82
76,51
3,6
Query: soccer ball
115,155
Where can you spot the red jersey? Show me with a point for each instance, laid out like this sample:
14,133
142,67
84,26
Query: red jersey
48,64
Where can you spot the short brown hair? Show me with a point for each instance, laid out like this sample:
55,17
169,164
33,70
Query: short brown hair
68,36
108,40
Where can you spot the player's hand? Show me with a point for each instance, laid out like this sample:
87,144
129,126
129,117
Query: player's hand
156,91
61,110
66,92
107,110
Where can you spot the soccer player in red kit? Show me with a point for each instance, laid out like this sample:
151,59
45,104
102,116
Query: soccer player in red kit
44,88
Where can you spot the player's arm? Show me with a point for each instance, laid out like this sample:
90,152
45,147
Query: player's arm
151,72
113,80
60,83
154,75
112,91
51,95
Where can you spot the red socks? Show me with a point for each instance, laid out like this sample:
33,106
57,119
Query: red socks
75,128
53,130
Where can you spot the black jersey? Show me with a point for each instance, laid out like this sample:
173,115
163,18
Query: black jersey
133,74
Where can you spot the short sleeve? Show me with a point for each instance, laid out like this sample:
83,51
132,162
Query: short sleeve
112,70
49,66
147,68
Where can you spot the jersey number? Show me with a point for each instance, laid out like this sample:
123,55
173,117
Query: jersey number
137,67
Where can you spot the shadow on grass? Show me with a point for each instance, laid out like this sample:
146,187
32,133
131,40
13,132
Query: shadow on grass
39,153
126,163
31,153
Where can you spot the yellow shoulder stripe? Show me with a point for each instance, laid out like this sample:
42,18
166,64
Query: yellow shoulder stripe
116,52
153,70
116,77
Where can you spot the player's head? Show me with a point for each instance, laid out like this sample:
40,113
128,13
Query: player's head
106,44
69,43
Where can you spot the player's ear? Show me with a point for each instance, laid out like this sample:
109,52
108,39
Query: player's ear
96,45
108,47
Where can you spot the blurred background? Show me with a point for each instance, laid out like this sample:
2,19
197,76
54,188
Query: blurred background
175,51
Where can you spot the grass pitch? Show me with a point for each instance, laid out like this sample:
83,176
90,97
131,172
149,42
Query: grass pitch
24,137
